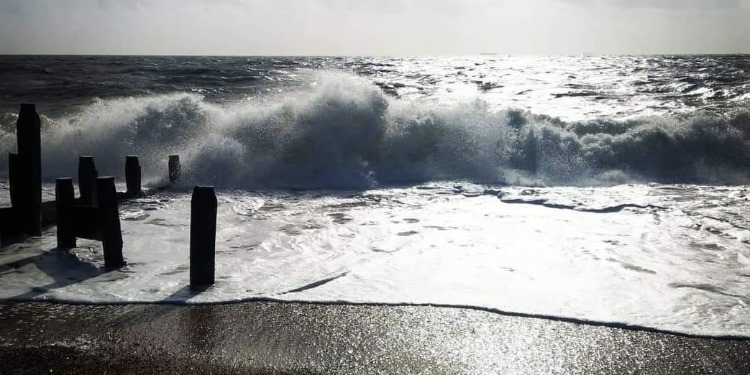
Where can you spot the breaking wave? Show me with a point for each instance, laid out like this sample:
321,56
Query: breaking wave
347,133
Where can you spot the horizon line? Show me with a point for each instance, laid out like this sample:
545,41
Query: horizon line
487,54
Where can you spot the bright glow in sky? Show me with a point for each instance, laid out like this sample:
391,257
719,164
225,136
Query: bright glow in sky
373,27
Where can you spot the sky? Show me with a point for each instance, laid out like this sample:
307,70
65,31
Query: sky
373,27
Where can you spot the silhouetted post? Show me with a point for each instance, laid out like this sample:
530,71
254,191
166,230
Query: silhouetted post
175,170
15,175
133,176
87,175
109,219
202,236
64,201
29,136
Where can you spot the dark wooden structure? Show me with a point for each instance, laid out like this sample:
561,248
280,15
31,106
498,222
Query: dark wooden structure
202,236
87,175
64,203
25,175
95,214
175,170
100,221
133,177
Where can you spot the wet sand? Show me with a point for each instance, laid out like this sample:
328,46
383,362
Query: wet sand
271,337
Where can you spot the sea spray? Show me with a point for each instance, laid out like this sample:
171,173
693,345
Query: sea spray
346,133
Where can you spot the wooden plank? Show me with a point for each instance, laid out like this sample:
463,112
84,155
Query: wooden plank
86,222
29,139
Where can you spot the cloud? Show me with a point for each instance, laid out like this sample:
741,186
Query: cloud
672,5
405,27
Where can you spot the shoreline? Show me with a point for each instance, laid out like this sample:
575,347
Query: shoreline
490,310
291,337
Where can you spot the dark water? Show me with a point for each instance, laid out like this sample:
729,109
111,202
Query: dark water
671,82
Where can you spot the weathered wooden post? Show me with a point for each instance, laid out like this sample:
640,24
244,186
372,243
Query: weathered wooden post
133,176
29,136
202,236
64,201
175,170
87,175
109,219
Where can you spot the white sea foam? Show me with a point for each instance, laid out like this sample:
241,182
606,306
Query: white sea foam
663,256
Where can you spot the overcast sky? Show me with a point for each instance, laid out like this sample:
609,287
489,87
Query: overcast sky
373,27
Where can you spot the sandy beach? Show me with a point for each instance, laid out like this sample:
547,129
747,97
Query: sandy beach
271,337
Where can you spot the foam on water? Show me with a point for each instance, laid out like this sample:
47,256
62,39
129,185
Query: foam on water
665,256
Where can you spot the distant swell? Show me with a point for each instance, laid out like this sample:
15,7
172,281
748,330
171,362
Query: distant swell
348,133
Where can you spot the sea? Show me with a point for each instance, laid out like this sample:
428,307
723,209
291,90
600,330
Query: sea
606,189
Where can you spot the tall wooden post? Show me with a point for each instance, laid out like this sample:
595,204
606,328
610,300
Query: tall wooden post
133,176
64,201
87,175
175,170
29,136
202,236
109,219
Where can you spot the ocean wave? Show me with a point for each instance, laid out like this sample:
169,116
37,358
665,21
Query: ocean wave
347,133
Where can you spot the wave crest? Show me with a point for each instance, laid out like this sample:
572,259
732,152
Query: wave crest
346,133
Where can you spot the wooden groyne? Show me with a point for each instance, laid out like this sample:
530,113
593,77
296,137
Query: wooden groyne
28,214
95,213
